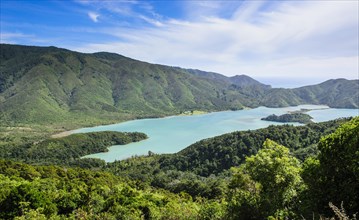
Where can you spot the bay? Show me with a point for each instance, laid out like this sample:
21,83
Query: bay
172,134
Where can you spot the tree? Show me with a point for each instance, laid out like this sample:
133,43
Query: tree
267,184
334,175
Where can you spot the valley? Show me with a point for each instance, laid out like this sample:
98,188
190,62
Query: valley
179,110
184,139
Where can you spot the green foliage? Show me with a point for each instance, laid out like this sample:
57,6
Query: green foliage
267,184
147,170
59,193
292,117
212,210
68,150
334,175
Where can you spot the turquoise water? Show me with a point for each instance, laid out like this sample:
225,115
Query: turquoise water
172,134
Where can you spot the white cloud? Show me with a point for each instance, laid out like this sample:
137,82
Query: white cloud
151,21
125,9
93,16
12,38
293,38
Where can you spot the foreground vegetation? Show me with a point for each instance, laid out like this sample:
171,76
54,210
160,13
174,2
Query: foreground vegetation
269,182
50,192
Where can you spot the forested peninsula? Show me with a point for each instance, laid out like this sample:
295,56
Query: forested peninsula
290,117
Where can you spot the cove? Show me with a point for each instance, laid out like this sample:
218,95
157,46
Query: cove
172,134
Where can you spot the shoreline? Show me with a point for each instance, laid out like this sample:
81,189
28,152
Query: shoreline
305,110
67,133
62,134
156,144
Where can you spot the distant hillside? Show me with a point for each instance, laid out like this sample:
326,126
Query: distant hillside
339,93
238,80
336,93
52,85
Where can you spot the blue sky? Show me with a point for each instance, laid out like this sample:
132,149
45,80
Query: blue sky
288,43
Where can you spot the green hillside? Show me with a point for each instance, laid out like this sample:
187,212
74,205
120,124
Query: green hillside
43,85
336,93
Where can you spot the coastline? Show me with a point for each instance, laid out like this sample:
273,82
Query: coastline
171,136
195,112
305,110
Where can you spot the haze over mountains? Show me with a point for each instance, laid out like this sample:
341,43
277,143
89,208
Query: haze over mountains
48,84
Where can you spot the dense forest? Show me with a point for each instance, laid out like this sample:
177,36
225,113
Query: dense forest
313,177
50,192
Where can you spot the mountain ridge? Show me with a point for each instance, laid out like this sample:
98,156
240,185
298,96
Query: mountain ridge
49,84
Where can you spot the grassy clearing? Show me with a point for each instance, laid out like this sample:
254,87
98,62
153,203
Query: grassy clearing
194,112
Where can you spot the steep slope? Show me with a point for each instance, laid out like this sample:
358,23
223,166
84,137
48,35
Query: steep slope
246,81
339,93
51,85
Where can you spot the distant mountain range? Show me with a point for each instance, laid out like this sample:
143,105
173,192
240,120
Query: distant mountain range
53,85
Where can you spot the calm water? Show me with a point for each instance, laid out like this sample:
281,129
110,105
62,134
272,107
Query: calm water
172,134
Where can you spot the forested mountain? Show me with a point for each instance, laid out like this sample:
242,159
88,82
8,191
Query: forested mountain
336,93
52,85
